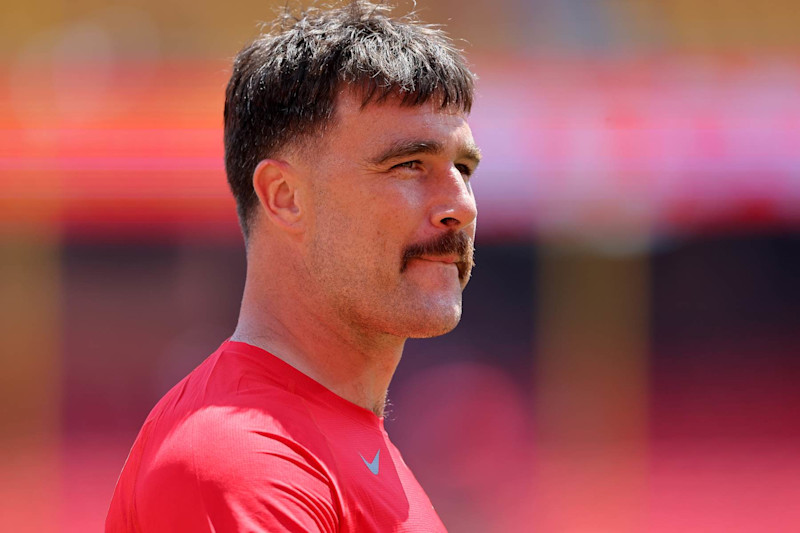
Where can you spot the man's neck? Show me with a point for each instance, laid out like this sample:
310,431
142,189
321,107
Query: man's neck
356,368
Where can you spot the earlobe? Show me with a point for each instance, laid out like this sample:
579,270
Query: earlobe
276,187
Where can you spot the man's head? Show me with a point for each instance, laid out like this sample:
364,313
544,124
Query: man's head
282,92
346,139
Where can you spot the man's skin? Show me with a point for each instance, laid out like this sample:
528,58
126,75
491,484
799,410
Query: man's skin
327,289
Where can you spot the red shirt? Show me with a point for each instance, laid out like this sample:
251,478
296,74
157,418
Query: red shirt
248,443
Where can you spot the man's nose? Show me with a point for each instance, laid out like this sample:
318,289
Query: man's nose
454,208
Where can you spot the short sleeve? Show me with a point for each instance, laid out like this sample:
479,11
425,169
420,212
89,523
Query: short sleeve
269,484
226,469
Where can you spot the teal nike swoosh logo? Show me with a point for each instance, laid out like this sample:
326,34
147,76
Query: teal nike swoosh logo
375,464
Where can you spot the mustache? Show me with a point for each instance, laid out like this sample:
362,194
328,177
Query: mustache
451,243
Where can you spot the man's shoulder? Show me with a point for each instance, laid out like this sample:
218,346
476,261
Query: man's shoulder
227,401
223,418
225,434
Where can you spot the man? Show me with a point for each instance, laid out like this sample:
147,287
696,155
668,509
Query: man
349,155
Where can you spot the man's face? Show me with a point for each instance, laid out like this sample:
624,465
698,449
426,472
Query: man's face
392,216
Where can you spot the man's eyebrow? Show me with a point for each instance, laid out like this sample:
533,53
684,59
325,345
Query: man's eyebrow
406,148
471,152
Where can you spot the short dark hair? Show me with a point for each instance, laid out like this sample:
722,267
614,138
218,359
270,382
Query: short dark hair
284,84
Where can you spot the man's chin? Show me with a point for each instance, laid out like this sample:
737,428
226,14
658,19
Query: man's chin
431,333
435,326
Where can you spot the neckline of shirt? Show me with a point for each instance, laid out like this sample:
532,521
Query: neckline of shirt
298,380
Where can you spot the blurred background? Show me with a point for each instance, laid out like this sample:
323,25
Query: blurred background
628,358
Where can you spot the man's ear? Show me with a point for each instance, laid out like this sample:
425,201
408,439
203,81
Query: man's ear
276,186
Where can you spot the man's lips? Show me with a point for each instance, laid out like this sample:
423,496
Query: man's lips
448,259
448,249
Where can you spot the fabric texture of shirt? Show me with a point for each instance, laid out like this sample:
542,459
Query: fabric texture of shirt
248,443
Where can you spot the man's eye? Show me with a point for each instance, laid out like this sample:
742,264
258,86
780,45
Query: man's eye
465,170
408,164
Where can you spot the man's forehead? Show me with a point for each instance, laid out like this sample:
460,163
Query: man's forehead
353,100
384,128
